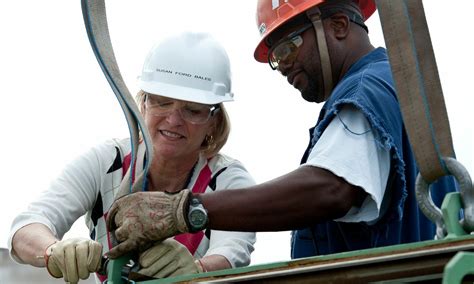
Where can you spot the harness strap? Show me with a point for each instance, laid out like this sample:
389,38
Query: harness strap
191,241
95,21
418,86
314,15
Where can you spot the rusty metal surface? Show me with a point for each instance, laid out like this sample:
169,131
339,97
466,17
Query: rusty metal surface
415,262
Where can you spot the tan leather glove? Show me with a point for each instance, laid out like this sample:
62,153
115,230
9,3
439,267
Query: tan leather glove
73,259
167,259
142,218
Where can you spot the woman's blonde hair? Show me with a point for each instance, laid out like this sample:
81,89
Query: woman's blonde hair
213,143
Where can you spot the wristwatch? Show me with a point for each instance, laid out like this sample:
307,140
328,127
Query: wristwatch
197,215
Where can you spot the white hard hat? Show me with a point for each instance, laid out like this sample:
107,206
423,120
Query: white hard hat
191,67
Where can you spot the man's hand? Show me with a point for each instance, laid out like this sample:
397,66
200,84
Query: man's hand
139,219
73,259
167,259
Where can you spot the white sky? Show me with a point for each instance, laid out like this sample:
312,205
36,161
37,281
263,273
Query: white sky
56,102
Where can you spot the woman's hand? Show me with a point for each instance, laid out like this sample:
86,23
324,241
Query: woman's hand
73,259
167,259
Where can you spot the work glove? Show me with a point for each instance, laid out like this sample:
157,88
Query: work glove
142,218
167,259
73,259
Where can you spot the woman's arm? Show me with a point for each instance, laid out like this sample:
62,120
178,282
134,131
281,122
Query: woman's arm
32,241
214,262
68,197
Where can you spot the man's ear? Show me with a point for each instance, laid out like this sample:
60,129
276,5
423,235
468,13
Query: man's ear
339,24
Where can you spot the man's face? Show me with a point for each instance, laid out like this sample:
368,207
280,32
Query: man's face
294,53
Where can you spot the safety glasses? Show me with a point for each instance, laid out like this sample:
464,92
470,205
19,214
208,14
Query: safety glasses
286,49
194,113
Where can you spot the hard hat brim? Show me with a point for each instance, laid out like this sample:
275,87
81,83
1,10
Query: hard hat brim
185,93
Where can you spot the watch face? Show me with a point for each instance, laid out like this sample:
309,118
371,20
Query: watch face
198,218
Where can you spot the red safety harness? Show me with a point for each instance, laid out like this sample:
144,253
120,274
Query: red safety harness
191,241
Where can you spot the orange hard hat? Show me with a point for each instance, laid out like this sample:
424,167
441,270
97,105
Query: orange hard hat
271,14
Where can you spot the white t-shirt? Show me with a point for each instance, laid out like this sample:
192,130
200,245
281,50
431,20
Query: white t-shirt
348,149
75,192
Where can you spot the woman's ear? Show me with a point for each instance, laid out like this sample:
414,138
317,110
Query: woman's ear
143,108
213,124
211,130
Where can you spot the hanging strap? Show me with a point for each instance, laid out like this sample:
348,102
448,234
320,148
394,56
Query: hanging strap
131,170
95,20
417,83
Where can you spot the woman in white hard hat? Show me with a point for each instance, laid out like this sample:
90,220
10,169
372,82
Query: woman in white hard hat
184,82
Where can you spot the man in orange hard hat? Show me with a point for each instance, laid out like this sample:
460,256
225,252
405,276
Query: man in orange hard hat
355,186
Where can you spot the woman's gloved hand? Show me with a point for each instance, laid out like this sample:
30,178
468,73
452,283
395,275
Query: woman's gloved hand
73,259
167,259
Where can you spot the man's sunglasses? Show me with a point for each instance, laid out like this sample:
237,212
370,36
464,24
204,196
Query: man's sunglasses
286,49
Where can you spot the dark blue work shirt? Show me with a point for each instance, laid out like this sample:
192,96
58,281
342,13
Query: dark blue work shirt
368,85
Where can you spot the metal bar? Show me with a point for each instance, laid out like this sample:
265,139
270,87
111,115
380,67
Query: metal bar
421,260
428,263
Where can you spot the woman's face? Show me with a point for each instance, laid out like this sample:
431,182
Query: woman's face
173,127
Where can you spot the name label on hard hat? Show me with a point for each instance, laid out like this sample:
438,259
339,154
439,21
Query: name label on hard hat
178,73
202,78
164,71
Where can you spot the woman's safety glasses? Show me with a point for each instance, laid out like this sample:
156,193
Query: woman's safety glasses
194,113
286,49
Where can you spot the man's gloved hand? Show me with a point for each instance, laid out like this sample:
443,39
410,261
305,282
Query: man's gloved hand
167,259
139,219
73,259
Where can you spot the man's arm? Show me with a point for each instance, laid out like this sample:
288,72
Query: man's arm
295,200
298,199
